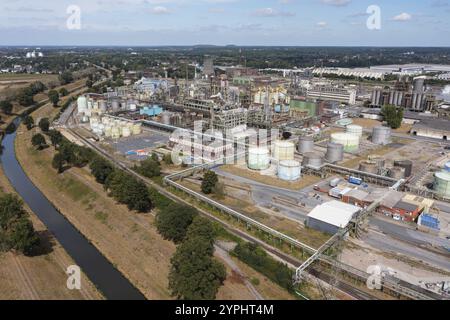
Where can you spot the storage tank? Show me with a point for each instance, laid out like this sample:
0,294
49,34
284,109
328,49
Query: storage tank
165,118
115,132
354,130
102,106
305,144
258,158
379,160
397,173
447,167
405,164
312,159
137,128
442,184
108,131
82,104
126,132
115,105
368,166
283,150
381,135
289,170
349,141
335,152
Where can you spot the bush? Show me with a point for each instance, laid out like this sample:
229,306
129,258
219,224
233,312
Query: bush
258,259
209,182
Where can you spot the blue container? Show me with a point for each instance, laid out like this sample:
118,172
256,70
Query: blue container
151,111
354,180
429,221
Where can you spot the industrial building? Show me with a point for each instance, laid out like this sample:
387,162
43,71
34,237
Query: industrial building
332,216
332,93
432,128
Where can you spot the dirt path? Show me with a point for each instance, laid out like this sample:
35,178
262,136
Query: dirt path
223,254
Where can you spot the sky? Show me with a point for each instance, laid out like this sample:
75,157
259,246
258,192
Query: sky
225,22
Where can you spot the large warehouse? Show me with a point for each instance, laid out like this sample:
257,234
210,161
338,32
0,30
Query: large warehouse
432,128
331,216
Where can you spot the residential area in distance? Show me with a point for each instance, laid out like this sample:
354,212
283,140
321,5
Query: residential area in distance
224,172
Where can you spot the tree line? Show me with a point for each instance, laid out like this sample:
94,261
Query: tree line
16,230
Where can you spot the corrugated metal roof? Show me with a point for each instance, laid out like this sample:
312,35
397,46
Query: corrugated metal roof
336,213
357,194
391,198
409,207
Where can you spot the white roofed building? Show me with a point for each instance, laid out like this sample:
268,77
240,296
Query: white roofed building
332,216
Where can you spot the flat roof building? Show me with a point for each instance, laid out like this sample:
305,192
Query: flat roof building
332,216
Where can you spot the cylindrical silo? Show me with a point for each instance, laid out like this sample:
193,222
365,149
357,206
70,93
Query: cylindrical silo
102,106
115,132
305,144
349,141
397,173
82,104
405,164
335,152
368,166
312,159
165,118
289,170
258,158
442,184
354,130
381,135
137,128
115,105
126,132
108,131
283,150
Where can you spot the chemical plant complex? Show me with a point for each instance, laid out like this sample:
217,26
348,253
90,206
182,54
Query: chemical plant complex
302,158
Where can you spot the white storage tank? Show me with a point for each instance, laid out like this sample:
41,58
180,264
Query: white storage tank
349,141
289,170
283,150
115,133
137,128
108,131
82,104
126,132
258,158
354,130
442,184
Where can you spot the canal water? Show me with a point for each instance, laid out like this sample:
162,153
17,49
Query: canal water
98,269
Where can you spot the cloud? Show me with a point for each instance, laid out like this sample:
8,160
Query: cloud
270,12
160,10
402,17
336,3
322,24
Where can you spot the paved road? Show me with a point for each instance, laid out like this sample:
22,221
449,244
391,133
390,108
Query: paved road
407,234
385,243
